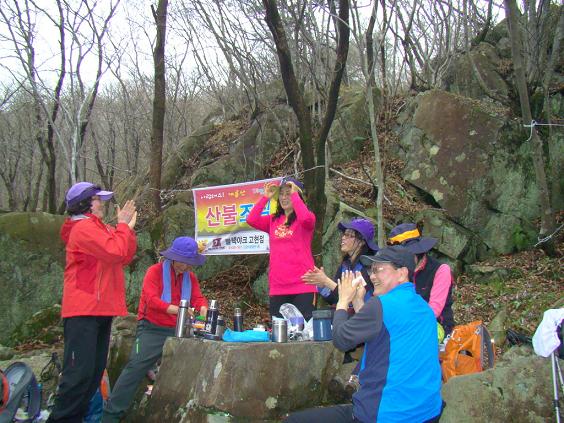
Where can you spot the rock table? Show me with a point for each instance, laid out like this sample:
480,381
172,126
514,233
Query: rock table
249,382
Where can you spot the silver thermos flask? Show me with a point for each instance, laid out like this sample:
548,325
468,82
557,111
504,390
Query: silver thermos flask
181,319
280,331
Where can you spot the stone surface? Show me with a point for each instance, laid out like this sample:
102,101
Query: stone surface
38,231
6,353
471,160
121,341
250,382
498,328
42,326
461,77
352,125
454,241
518,389
486,274
29,280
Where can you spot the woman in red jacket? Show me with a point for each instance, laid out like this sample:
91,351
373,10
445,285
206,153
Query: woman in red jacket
164,285
94,292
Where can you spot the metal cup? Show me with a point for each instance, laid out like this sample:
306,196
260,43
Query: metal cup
280,331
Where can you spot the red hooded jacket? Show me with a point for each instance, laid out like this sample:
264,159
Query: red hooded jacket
96,254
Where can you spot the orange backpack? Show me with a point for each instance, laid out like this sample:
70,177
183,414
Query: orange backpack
469,350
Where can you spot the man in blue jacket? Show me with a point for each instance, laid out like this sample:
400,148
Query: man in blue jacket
400,376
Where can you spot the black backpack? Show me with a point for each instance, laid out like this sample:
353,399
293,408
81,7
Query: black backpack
23,392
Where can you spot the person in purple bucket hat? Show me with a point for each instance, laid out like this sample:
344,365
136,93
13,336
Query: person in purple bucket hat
93,293
356,240
164,285
433,280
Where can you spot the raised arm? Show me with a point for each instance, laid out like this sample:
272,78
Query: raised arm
107,246
303,215
262,223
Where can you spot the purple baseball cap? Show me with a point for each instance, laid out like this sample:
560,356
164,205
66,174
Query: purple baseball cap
299,184
364,227
185,250
83,190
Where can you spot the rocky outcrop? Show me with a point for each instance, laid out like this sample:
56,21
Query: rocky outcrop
518,389
479,74
121,342
467,156
30,281
38,231
249,382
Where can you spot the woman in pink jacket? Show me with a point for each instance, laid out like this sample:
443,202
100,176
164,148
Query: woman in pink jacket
291,231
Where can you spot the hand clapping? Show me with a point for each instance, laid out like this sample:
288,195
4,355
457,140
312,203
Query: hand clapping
127,214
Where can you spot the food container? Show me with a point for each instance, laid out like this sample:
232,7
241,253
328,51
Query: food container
322,325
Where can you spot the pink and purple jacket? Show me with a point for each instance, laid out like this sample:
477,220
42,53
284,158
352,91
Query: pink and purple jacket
290,247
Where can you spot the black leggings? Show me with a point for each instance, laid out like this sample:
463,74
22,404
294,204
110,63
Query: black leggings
304,303
87,340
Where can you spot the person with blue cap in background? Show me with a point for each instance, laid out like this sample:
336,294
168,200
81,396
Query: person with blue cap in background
93,292
164,285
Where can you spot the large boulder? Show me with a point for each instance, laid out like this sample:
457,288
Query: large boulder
518,389
121,342
473,163
247,154
352,124
30,281
462,75
38,231
249,382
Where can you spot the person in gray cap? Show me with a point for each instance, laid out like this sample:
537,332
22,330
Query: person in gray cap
400,376
93,292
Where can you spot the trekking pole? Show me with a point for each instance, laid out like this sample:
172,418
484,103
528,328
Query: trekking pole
555,379
559,373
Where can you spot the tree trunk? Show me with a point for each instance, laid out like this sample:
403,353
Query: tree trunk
556,159
159,103
370,83
314,181
547,216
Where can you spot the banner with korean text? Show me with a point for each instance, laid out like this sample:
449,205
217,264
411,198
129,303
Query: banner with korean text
221,218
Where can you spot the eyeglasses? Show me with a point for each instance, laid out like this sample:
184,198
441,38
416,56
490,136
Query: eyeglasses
378,269
350,234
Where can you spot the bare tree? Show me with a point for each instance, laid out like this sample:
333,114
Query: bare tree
313,152
159,102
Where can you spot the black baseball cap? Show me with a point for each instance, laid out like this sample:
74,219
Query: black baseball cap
397,255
